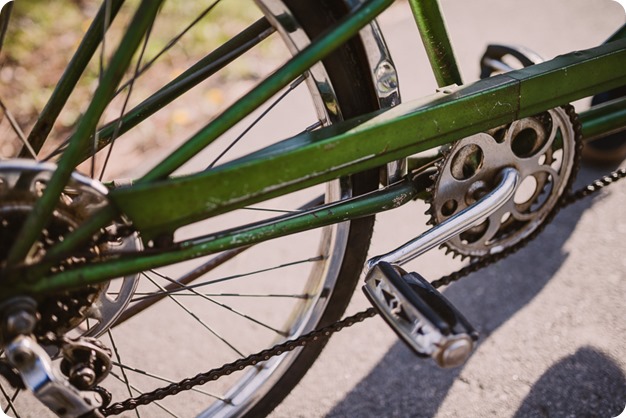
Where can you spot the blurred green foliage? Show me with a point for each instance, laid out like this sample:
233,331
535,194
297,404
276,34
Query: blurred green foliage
43,36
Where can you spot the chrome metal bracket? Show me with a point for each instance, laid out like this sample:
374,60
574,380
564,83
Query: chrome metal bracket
46,382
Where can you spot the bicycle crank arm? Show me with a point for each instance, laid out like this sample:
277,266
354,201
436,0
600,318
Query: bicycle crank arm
421,316
469,217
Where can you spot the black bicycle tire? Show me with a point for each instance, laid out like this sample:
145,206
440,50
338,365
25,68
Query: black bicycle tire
351,79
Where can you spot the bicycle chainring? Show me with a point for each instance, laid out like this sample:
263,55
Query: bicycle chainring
544,148
325,333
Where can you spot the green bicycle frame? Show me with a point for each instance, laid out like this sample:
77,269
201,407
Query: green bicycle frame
339,150
370,141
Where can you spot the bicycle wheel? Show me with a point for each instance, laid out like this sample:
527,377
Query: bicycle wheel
244,300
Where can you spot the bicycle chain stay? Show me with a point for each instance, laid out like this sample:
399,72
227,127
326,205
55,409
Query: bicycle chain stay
324,333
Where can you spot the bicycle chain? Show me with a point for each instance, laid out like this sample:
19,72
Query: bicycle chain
237,365
568,200
325,332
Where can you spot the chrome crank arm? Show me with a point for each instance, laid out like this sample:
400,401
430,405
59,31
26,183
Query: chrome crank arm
469,217
421,316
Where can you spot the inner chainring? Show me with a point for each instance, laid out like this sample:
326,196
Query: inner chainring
543,148
88,311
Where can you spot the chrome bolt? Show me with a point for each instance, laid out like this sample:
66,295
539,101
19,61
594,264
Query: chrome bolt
21,356
83,377
455,352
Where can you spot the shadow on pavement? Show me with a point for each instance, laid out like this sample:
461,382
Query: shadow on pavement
585,384
403,385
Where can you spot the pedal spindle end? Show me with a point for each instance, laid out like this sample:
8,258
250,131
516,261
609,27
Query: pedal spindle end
455,352
421,316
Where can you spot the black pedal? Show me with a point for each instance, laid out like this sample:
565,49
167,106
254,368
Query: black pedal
421,316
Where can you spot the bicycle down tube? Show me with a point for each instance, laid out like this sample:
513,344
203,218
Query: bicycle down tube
367,142
236,256
374,139
347,148
165,222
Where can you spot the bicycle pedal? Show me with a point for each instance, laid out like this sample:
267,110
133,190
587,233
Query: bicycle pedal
421,316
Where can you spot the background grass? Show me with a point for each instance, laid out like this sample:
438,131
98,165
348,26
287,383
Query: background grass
43,36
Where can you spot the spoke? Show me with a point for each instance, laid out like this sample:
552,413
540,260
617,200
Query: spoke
242,275
222,305
280,98
239,295
312,127
138,391
166,380
105,28
10,400
171,43
270,210
18,131
317,201
194,316
117,356
180,287
116,131
213,263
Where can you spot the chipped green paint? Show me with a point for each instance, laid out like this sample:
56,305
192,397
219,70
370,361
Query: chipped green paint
158,205
366,205
372,140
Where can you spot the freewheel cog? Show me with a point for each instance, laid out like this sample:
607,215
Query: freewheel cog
88,311
544,149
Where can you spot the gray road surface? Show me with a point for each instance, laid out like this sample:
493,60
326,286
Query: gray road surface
551,317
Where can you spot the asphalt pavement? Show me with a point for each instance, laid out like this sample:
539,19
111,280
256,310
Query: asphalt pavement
551,317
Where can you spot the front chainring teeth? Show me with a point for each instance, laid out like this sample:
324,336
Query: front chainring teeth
430,190
544,148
